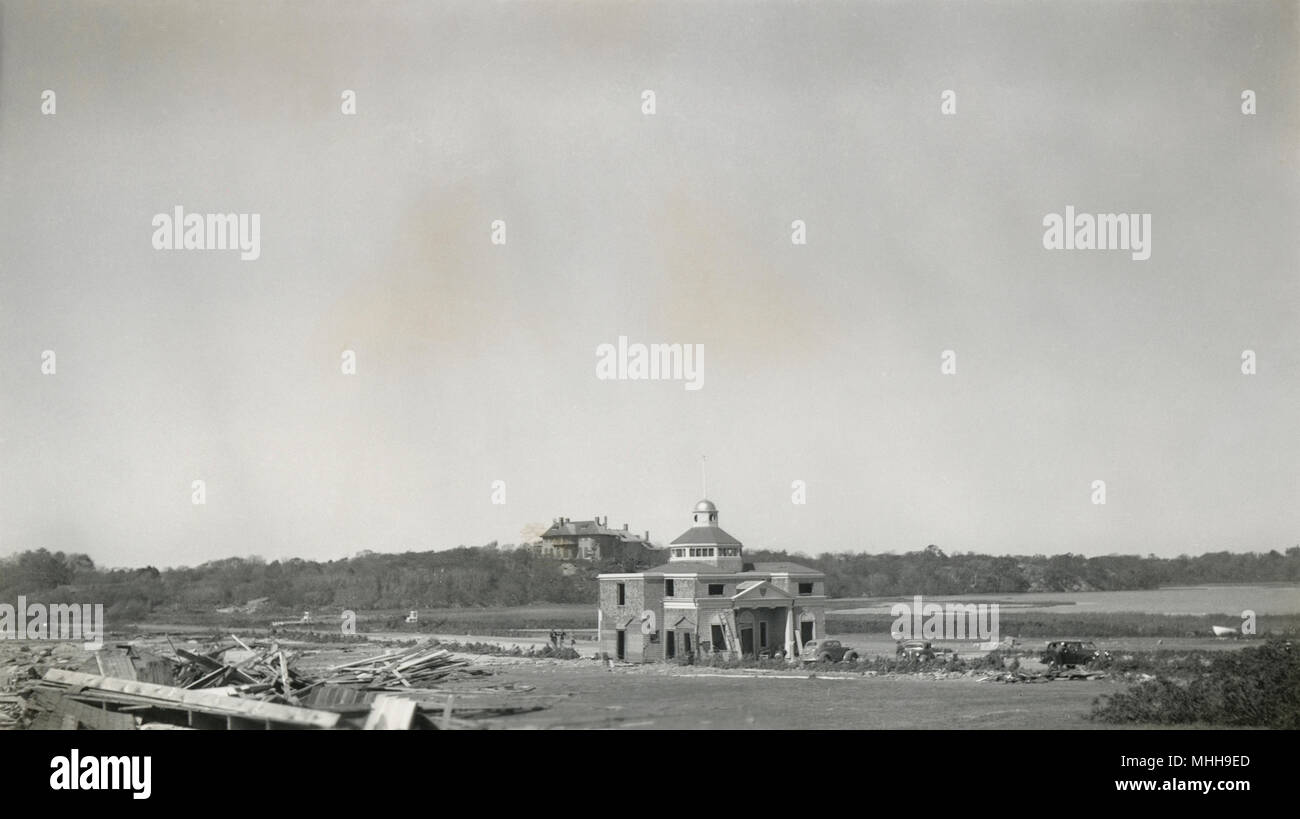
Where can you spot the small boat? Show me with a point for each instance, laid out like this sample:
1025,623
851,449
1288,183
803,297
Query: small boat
1224,631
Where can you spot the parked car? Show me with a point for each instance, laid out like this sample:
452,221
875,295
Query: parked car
915,650
1069,653
827,651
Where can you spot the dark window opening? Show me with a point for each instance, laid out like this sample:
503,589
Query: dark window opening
719,644
668,588
805,588
622,594
715,588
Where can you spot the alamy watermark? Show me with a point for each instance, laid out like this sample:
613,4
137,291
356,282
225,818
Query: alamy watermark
654,362
954,621
75,772
1103,231
209,231
59,621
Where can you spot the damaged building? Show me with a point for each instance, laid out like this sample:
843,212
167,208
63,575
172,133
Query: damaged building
707,600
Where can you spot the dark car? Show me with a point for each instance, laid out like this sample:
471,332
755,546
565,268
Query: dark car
915,650
827,651
1070,653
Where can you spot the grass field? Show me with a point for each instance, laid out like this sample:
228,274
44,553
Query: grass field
523,621
1050,625
587,696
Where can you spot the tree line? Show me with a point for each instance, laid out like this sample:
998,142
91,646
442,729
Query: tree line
495,575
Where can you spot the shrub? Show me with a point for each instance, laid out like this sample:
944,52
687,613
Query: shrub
1256,687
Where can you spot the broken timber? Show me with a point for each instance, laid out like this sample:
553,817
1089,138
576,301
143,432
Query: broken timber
89,687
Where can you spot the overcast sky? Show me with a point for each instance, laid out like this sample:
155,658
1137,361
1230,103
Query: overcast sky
477,362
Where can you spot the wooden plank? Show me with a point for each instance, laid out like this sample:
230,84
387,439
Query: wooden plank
47,721
181,699
151,668
333,696
114,662
95,718
390,714
199,659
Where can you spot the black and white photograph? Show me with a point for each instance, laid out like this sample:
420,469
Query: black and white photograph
927,371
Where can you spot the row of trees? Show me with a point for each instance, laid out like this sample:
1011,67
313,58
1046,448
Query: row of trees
931,571
506,576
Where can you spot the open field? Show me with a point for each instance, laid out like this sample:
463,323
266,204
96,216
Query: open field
588,694
1029,617
591,696
1204,599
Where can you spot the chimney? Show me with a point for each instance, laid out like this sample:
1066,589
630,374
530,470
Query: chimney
647,535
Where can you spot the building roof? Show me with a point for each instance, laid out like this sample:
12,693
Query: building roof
589,528
686,567
705,505
705,536
689,567
781,567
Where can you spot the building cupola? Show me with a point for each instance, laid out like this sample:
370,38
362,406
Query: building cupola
705,542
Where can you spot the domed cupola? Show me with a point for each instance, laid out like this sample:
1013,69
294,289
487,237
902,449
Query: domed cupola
706,542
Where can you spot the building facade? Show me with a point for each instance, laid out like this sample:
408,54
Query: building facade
594,540
706,600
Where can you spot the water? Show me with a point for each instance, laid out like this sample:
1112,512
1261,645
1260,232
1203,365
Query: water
1262,598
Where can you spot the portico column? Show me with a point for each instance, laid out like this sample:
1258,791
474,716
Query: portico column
789,631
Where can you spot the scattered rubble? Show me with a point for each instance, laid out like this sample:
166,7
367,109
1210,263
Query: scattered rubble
235,684
421,664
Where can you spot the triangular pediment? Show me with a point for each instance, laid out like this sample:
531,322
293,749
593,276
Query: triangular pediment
761,590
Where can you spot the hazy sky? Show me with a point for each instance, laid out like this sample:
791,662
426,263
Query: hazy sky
476,362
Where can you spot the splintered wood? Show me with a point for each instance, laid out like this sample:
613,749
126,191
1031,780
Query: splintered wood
256,686
414,668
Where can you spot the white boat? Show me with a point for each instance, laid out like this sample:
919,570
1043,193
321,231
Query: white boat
1224,631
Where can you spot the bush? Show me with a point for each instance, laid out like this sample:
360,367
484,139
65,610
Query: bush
1254,687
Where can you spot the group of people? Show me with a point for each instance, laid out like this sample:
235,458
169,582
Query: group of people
558,638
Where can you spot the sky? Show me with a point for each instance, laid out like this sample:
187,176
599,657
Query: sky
476,362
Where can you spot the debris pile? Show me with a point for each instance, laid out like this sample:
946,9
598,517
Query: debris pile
416,667
238,685
74,699
1049,675
11,710
266,672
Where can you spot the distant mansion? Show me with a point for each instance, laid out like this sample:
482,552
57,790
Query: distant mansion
594,540
707,600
